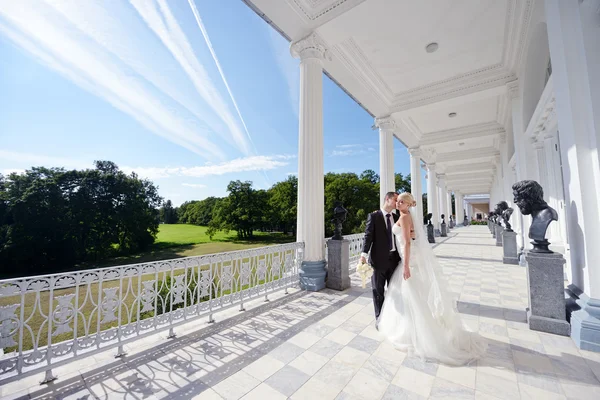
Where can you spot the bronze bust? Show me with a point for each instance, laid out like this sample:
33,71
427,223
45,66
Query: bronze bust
339,216
499,211
529,197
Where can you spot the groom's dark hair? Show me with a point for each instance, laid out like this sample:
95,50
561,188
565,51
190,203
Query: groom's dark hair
390,195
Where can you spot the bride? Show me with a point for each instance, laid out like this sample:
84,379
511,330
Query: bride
418,315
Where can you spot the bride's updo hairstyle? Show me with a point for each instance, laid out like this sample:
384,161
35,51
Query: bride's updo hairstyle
408,199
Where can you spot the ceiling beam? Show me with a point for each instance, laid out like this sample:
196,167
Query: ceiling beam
465,155
469,167
478,131
467,89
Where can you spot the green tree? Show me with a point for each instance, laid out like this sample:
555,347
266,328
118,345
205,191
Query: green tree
402,183
284,203
241,210
51,219
168,213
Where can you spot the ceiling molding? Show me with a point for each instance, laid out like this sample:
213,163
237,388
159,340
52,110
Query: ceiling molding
488,78
487,129
469,168
465,155
319,12
355,60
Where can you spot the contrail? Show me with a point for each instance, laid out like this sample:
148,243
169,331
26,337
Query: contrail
216,60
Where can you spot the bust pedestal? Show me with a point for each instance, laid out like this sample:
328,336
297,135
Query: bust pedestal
509,248
499,229
430,234
444,230
547,309
338,264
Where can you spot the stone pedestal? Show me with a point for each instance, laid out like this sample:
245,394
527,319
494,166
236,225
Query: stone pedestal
499,229
430,234
509,248
547,309
444,230
338,264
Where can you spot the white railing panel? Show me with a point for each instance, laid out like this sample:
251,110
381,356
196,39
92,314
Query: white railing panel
53,319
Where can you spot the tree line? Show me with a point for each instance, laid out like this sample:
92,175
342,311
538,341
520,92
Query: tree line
246,209
52,219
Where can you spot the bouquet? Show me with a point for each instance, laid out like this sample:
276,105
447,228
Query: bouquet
365,272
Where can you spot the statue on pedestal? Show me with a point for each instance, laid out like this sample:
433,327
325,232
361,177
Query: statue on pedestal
499,210
491,216
529,197
443,222
506,217
339,216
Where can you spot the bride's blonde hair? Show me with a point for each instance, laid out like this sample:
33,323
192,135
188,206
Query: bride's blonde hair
408,198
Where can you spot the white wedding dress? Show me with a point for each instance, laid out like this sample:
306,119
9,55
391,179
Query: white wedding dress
419,316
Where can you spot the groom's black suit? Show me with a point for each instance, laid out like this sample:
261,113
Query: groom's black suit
384,257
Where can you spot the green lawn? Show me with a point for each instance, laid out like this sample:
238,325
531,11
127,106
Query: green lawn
183,240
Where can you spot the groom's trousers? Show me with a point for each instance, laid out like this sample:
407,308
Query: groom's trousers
382,274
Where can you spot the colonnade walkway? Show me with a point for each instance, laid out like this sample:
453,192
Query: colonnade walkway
325,346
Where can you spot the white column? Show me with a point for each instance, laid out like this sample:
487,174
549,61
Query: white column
449,203
387,181
540,156
444,196
311,207
415,179
460,211
432,197
520,156
551,191
573,32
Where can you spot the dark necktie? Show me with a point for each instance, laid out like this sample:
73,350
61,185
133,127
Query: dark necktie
389,230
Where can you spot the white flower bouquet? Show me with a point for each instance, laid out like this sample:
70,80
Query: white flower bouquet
365,272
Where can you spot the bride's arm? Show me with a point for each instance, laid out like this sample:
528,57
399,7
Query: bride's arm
406,226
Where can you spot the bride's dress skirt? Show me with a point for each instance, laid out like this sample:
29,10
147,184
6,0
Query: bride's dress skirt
410,323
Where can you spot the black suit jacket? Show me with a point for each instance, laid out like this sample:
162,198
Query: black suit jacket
376,241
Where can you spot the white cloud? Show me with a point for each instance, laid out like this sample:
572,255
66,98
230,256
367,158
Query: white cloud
111,53
244,164
344,150
165,26
194,185
288,66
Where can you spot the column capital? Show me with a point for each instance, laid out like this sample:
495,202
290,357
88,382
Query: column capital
431,167
537,144
414,151
310,46
512,88
387,123
548,135
441,176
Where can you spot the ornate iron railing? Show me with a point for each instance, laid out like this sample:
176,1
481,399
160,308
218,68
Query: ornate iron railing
50,320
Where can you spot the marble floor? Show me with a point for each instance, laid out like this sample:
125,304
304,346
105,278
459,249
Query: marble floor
324,346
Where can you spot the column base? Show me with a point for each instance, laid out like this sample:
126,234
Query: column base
584,315
312,275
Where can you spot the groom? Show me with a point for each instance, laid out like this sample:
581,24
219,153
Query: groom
380,240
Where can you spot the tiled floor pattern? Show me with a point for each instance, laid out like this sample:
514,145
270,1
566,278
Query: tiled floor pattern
325,346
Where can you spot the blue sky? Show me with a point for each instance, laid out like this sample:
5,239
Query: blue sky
136,82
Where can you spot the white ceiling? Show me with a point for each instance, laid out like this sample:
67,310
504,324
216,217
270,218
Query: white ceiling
379,58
